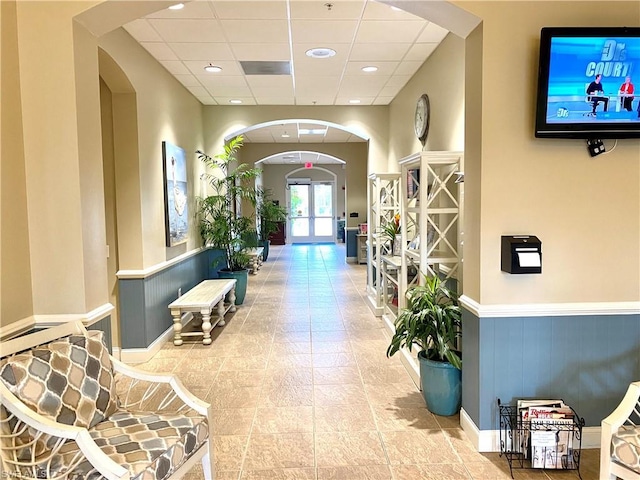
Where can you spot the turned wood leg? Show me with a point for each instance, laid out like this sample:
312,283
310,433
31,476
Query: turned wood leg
232,299
206,326
177,327
221,322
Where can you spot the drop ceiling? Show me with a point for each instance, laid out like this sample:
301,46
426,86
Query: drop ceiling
226,33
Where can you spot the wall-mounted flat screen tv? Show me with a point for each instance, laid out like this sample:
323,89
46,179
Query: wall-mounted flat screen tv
589,83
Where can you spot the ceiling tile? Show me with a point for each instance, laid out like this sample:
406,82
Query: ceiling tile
142,31
256,31
273,92
384,68
319,99
211,52
398,80
408,68
228,69
261,51
380,100
335,135
208,100
351,84
193,9
390,91
198,91
188,80
159,50
307,66
381,11
432,33
274,100
379,31
258,136
321,33
420,51
310,86
175,67
341,9
371,52
225,100
262,10
222,81
270,81
230,91
346,100
188,30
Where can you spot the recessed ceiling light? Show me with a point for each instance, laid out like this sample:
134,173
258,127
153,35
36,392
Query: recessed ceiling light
177,6
354,101
213,68
396,9
235,101
320,52
285,135
370,68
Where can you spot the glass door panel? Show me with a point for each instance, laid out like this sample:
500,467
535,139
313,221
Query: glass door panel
311,213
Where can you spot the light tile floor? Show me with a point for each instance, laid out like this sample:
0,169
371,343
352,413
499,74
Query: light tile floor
302,388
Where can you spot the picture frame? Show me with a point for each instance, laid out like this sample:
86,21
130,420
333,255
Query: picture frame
176,205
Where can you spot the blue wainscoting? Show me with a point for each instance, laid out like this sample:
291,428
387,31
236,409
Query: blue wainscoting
143,302
587,360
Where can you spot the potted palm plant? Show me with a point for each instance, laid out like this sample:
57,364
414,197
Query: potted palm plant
221,224
268,214
432,322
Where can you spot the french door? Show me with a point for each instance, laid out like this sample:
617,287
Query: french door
311,210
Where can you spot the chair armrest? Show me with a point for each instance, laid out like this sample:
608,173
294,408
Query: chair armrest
622,413
153,390
20,418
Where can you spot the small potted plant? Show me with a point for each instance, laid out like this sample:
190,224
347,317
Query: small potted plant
432,321
268,214
221,226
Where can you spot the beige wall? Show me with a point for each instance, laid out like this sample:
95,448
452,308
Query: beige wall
353,177
442,78
15,266
585,210
372,122
164,111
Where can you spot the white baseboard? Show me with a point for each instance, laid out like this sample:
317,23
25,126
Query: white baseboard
489,440
133,356
375,309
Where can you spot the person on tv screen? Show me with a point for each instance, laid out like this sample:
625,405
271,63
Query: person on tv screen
626,92
595,90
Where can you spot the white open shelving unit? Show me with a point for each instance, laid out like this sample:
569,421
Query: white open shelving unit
383,191
430,216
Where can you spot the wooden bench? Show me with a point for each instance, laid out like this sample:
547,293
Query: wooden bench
256,259
202,299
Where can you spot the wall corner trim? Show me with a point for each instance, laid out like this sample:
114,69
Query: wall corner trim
147,272
550,309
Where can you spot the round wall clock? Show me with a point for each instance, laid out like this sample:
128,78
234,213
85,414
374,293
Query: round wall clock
422,117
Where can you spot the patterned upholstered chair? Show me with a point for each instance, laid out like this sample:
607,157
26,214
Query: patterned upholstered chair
68,410
620,439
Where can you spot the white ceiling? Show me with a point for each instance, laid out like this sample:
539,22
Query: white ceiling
224,33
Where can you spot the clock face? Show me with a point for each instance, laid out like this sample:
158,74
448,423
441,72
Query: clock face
421,120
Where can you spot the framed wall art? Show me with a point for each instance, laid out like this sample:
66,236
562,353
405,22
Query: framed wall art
175,194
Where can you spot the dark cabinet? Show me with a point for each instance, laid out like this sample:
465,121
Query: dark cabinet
279,237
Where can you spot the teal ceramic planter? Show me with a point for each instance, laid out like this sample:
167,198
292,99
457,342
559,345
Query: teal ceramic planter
265,245
441,385
241,277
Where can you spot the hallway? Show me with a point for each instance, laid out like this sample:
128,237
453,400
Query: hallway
302,388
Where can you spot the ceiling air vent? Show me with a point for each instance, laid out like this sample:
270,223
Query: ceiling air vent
266,68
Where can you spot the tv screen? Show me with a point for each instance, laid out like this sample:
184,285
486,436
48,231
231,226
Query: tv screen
589,83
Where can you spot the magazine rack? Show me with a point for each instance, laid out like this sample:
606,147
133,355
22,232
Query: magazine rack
540,443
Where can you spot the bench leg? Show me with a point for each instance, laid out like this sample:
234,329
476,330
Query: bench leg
177,327
232,299
206,326
221,322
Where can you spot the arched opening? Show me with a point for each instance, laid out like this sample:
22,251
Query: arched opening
118,112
